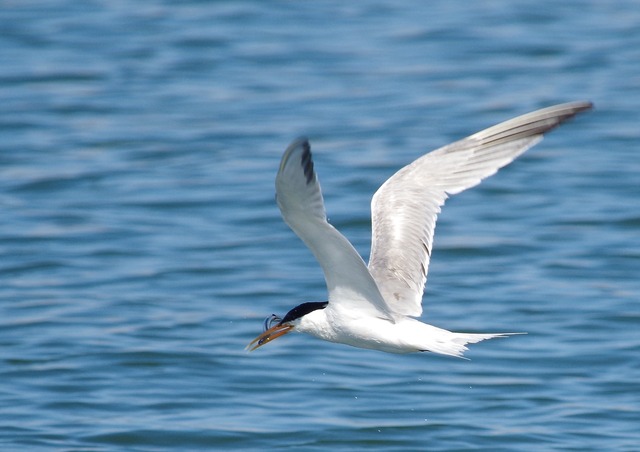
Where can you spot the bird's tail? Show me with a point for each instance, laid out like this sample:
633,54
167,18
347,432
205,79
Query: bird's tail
455,343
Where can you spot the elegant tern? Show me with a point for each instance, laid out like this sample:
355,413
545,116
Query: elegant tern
374,306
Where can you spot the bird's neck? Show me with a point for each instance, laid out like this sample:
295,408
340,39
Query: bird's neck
316,324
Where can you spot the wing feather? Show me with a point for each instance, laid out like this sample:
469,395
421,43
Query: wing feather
405,208
351,288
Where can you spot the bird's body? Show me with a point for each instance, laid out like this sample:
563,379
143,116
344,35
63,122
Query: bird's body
405,335
374,306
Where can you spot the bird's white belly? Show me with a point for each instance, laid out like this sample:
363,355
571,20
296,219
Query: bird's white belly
377,335
407,335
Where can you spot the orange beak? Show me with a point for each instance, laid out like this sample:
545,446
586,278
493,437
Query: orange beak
272,333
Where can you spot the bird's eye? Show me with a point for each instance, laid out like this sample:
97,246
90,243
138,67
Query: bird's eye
271,321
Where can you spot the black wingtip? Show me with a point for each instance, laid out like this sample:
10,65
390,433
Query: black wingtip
306,160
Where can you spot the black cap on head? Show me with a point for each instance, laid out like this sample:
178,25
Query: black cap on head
302,310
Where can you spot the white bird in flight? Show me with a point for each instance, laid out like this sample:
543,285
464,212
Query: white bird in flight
374,306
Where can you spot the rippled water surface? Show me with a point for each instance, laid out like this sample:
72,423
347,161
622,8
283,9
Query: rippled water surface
141,247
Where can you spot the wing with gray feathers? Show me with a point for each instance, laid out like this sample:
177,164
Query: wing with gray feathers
350,286
405,208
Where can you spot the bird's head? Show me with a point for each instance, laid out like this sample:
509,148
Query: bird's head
275,326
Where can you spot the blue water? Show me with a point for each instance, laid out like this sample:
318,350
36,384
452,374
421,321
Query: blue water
141,248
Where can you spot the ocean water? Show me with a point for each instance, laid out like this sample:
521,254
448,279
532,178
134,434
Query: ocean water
141,247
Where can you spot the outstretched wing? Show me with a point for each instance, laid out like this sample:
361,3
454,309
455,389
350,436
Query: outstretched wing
405,208
299,197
